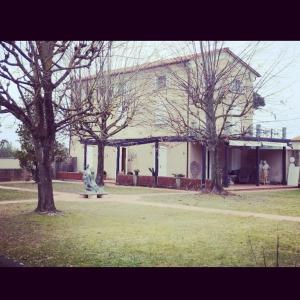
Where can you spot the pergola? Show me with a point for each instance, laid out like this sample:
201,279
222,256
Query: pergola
141,141
251,141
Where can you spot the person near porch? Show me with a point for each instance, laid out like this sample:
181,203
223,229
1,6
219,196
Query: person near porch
266,169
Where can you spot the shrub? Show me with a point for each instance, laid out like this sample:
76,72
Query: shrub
152,171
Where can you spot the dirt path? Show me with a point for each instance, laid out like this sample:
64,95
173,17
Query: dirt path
136,199
210,210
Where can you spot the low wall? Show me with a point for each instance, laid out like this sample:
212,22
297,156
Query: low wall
166,182
190,184
124,180
69,175
147,181
162,182
13,174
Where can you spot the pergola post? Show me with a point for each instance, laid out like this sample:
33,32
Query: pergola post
257,165
156,161
118,162
225,169
284,165
84,156
203,179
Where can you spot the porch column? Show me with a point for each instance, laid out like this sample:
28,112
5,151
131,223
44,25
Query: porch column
203,147
84,156
118,162
225,169
156,161
257,165
284,165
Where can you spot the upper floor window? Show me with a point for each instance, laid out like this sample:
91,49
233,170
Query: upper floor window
161,82
237,86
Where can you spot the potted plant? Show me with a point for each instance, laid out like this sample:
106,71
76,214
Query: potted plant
178,176
152,171
135,176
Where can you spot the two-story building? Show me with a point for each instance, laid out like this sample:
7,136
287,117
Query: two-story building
241,156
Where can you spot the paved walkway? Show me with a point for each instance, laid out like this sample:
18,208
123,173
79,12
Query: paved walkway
136,199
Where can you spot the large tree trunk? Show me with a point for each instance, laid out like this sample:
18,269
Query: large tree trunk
216,171
100,165
213,143
45,190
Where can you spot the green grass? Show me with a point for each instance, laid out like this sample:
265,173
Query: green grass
78,188
114,234
6,195
276,202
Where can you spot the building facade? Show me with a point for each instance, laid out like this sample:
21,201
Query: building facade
186,158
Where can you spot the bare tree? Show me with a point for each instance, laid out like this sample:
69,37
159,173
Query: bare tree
34,87
220,95
117,99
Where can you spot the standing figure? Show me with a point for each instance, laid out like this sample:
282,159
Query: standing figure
266,169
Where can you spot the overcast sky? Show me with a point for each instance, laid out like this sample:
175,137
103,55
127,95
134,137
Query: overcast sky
282,105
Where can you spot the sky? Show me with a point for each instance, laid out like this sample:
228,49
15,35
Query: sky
282,92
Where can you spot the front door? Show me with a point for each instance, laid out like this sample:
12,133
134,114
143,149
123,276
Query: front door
123,160
162,160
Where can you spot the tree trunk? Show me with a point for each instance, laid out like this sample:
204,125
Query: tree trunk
213,143
216,171
100,165
45,189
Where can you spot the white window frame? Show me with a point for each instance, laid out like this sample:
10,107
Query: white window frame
237,89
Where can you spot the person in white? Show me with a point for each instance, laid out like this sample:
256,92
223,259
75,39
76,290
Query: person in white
265,170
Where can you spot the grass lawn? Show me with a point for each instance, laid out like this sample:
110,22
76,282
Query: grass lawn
6,195
119,234
78,188
276,202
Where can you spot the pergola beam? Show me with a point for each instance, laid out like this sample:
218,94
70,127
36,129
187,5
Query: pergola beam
141,141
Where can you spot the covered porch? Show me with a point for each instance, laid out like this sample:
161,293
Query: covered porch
242,159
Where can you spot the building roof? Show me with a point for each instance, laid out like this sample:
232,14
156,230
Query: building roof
175,60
